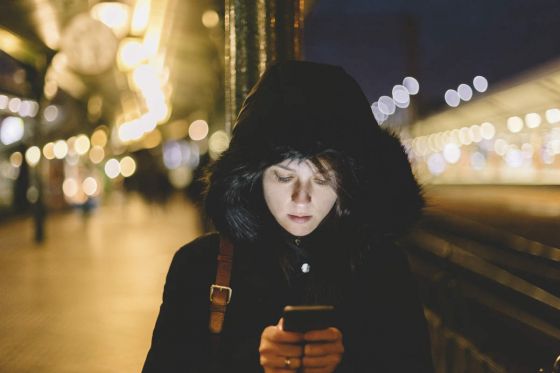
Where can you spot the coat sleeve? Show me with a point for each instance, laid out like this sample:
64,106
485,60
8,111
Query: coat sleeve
180,338
393,336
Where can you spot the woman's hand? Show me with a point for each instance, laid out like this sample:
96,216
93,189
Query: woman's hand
323,350
317,351
280,351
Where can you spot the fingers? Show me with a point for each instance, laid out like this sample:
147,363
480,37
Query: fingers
280,349
277,335
322,349
321,361
279,363
325,335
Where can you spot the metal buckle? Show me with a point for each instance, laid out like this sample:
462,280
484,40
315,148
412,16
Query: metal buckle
221,288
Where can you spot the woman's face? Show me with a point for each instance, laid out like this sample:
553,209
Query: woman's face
298,195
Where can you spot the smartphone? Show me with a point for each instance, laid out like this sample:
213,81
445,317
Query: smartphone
304,318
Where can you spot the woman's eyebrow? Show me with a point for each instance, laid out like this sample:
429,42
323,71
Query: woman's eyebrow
285,167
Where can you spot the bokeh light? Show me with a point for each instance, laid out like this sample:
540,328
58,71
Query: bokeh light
96,154
112,168
451,153
50,113
218,143
70,187
210,18
488,130
532,120
386,105
465,92
411,85
11,130
16,159
60,149
48,150
81,144
553,115
32,156
114,15
515,124
127,166
436,164
131,54
90,186
198,130
452,98
480,83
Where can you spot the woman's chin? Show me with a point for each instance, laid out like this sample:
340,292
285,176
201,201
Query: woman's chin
299,230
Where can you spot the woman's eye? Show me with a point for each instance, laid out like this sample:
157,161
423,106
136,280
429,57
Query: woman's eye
283,179
321,181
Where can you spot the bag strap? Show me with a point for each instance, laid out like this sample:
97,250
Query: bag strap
220,292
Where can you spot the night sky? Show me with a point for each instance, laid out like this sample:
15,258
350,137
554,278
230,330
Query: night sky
442,43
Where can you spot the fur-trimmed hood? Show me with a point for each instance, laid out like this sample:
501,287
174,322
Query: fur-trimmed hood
301,109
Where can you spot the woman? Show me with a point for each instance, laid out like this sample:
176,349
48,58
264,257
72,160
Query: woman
314,196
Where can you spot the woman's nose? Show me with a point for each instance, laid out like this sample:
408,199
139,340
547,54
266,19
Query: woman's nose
301,194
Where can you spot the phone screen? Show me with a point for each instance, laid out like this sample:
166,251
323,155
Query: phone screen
305,318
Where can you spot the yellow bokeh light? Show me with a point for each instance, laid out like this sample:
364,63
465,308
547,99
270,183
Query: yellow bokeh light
128,166
16,159
152,139
218,142
96,154
89,186
50,89
131,54
60,149
32,156
145,78
99,138
198,130
210,18
48,150
81,144
140,17
70,187
114,15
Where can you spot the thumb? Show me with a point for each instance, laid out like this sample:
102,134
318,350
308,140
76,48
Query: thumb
281,324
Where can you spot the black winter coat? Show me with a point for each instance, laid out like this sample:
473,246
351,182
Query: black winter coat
381,319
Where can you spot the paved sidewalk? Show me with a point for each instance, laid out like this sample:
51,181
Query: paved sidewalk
87,299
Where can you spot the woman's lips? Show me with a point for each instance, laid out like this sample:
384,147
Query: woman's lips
299,219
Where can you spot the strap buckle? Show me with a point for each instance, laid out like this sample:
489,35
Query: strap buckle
221,288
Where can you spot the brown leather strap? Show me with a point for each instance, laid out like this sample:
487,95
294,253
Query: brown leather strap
220,292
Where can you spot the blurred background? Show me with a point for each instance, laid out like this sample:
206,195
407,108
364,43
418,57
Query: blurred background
110,110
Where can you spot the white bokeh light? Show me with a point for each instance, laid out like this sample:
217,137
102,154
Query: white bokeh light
452,98
465,92
112,168
411,85
436,164
553,115
11,130
386,105
451,153
480,83
515,124
533,120
488,130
